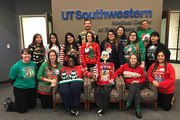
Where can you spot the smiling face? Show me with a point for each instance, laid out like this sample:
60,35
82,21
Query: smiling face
89,37
53,39
52,57
133,60
25,56
154,39
144,25
132,37
161,57
38,39
70,39
111,36
120,31
71,62
87,25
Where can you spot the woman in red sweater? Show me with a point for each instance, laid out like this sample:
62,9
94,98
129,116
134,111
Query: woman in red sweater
90,52
134,79
162,75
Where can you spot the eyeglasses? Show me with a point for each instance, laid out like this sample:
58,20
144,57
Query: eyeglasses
133,35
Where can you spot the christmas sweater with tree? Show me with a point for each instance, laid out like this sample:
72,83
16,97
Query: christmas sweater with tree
63,56
131,74
75,73
166,78
44,72
90,54
23,75
37,54
131,49
82,37
104,72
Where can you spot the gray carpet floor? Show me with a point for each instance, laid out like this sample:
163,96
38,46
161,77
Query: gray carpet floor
38,113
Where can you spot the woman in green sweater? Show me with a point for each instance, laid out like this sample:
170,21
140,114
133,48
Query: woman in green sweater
134,46
48,75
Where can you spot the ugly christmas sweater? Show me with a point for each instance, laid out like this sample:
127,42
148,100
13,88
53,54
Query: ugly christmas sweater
90,54
104,72
130,74
75,73
166,78
45,72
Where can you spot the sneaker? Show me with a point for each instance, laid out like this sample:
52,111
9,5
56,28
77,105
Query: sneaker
100,112
75,112
7,102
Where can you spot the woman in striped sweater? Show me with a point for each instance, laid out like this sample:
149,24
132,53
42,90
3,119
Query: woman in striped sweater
70,47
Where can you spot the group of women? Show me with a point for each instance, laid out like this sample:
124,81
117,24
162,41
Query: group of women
41,68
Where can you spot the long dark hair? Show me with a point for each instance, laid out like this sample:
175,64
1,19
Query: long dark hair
49,61
124,34
50,42
157,62
136,43
93,39
67,45
34,41
116,40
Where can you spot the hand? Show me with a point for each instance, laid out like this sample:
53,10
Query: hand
85,68
111,81
53,82
135,81
155,83
142,66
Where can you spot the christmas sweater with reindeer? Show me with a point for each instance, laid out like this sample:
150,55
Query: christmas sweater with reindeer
75,73
90,54
45,72
104,72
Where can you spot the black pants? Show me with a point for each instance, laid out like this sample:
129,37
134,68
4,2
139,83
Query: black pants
70,93
89,66
102,96
24,99
46,101
134,93
164,101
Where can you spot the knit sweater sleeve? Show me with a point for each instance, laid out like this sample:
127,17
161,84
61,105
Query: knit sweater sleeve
96,70
40,75
171,77
62,54
46,52
149,72
118,71
80,58
83,55
98,54
85,73
13,73
142,79
142,51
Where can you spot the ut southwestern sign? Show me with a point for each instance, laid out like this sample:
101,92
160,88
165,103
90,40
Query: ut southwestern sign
102,14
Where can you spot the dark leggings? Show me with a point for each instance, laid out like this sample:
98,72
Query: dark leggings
46,101
164,101
134,93
24,99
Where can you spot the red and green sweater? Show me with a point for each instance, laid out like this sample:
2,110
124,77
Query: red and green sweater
130,74
75,73
91,57
44,72
104,72
166,78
